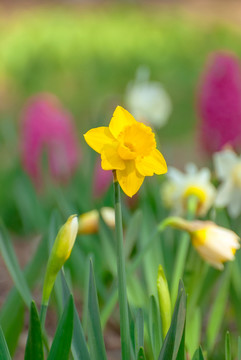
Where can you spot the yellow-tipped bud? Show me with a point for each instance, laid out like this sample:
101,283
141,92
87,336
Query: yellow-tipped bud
60,252
164,300
89,222
214,243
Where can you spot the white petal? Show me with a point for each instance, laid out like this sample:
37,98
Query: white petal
204,175
224,193
234,206
224,162
175,175
191,168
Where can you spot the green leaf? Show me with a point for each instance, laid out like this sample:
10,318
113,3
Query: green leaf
3,347
132,231
62,341
13,267
96,341
218,309
139,326
239,348
173,346
107,245
198,355
154,327
12,311
227,347
34,346
79,346
141,354
193,330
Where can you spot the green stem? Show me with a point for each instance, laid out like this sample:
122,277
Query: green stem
124,319
182,252
109,307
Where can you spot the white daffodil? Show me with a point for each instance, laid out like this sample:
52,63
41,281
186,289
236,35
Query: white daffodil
227,166
214,243
147,100
180,186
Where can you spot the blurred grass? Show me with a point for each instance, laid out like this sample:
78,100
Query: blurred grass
87,58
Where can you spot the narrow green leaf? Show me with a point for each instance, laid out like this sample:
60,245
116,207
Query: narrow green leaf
139,326
3,347
218,309
132,231
198,355
132,329
12,311
62,341
96,341
239,348
141,354
193,330
34,346
79,346
107,245
227,347
154,327
13,267
174,340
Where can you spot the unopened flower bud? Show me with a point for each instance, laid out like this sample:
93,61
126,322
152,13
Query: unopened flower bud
60,252
89,222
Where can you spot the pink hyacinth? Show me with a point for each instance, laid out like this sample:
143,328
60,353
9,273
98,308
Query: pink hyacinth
102,179
219,103
48,132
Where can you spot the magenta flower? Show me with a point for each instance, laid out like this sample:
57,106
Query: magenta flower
219,103
102,179
48,133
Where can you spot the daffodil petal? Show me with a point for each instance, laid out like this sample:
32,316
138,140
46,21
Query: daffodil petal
154,163
130,179
120,119
110,159
98,137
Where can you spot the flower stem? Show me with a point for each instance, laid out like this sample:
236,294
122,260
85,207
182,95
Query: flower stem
182,252
124,319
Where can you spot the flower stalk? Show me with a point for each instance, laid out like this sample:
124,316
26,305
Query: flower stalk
124,318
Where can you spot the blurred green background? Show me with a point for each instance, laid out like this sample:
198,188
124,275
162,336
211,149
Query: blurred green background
87,55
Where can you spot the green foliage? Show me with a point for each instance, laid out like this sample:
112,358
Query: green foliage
34,346
62,340
96,341
3,347
173,346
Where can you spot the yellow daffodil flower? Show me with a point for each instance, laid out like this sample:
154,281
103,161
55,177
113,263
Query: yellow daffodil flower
214,243
129,147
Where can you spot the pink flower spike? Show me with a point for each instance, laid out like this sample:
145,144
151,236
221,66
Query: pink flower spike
219,103
47,129
102,180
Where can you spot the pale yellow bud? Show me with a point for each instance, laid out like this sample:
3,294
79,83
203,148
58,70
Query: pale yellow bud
214,243
60,252
89,222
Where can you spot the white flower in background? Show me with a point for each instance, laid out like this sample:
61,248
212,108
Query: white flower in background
180,186
227,166
147,100
214,243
